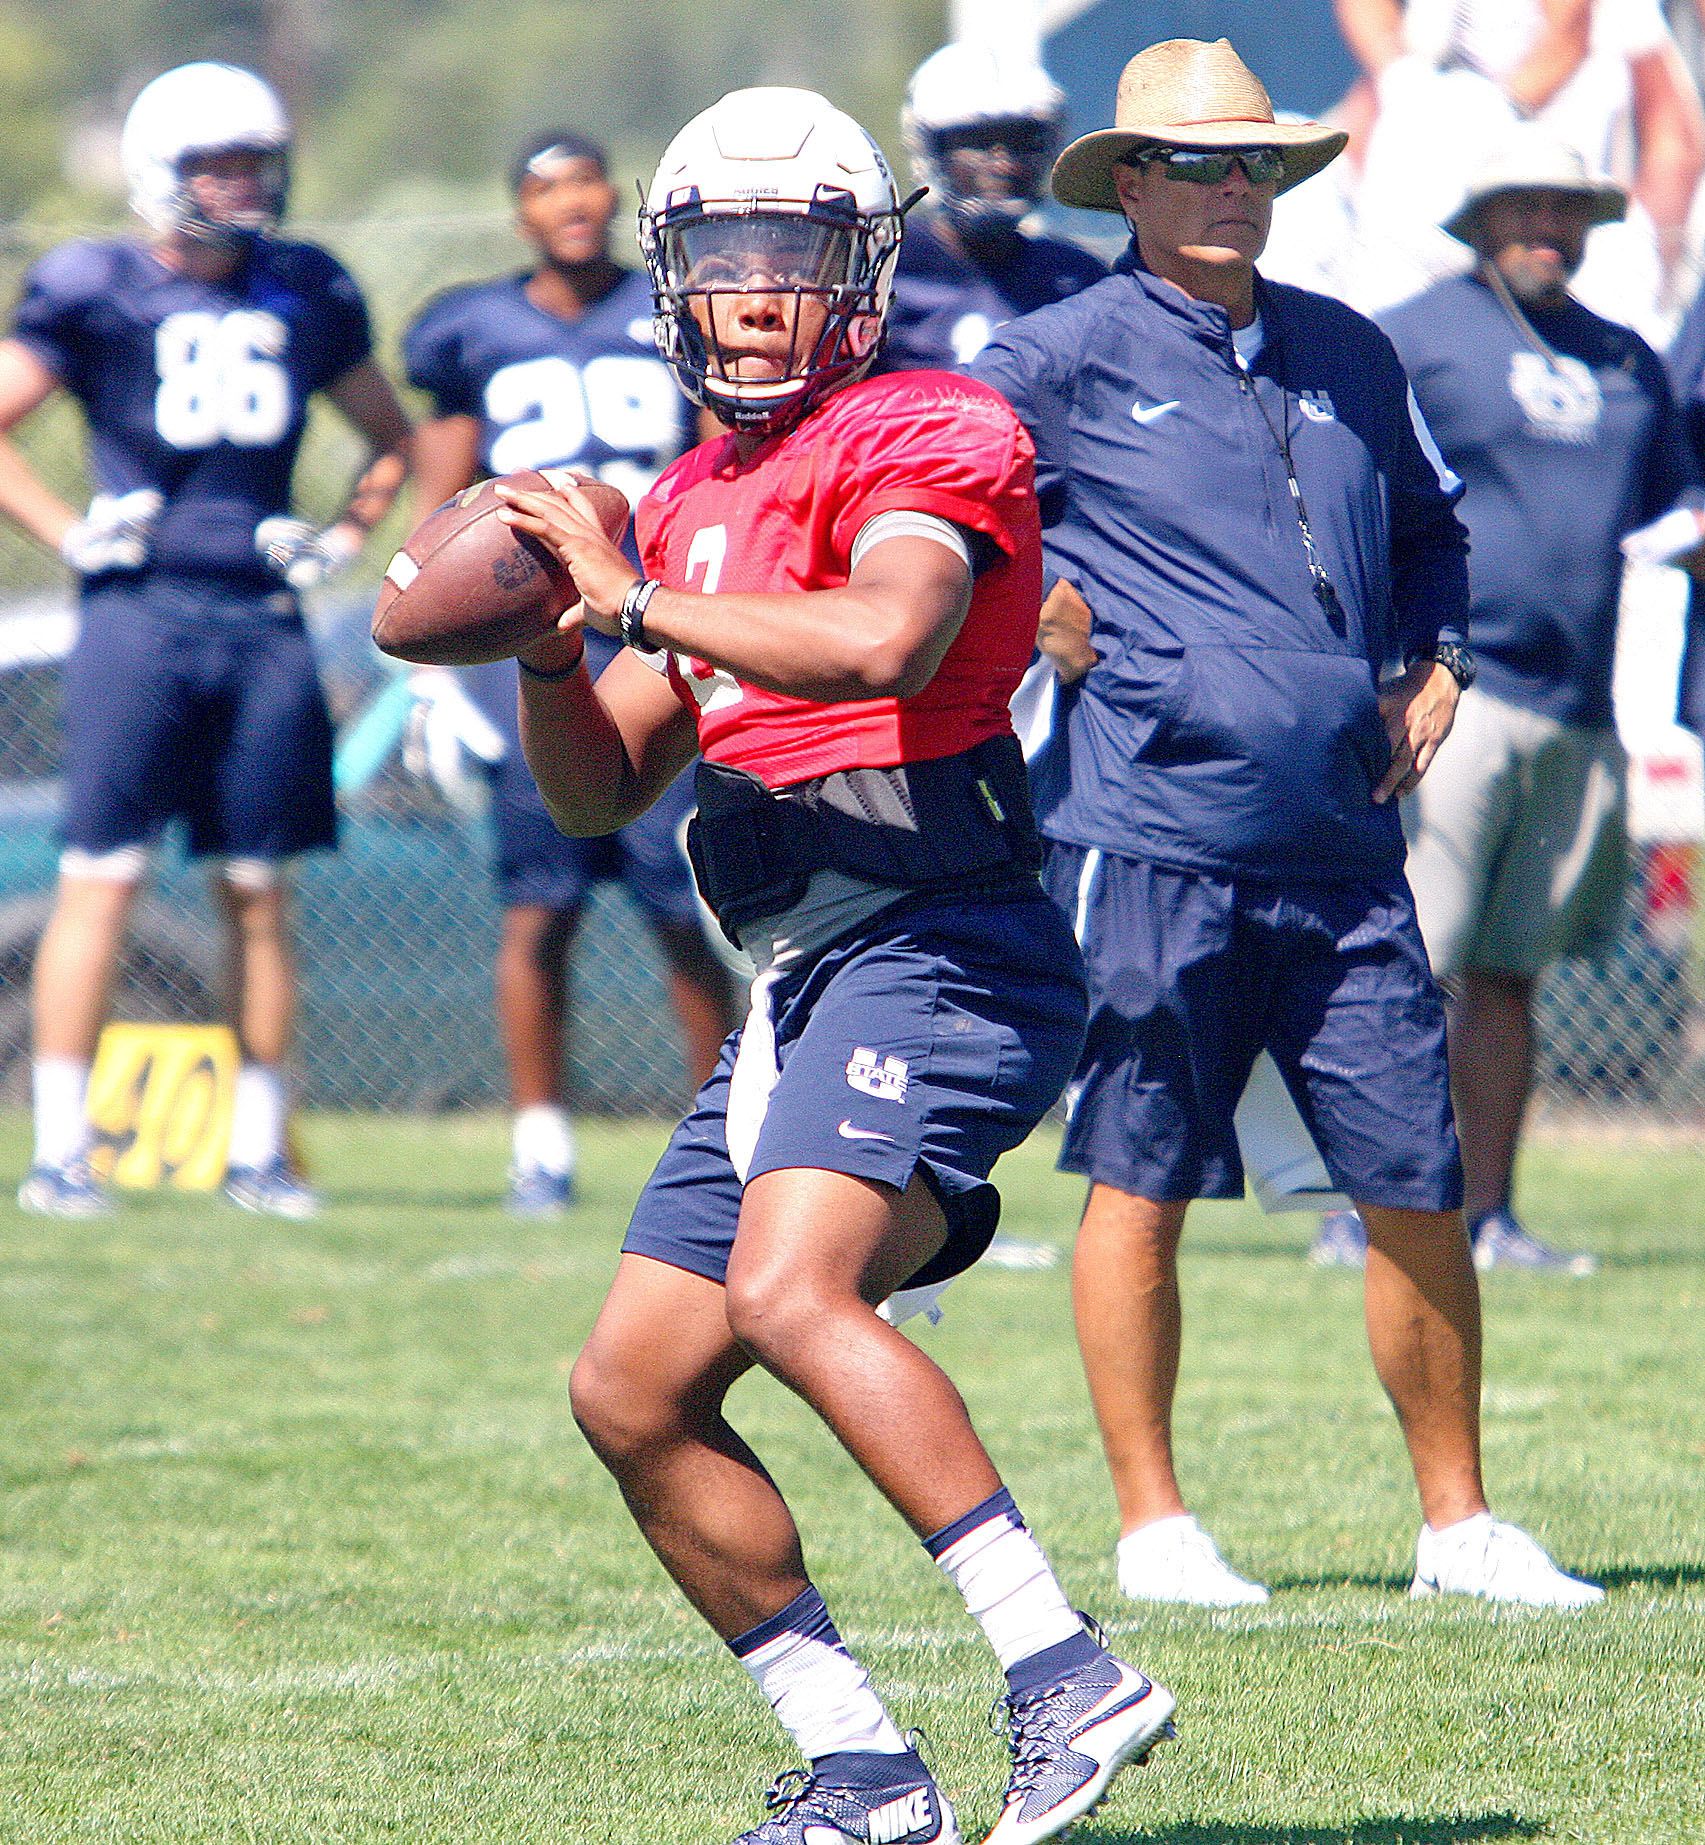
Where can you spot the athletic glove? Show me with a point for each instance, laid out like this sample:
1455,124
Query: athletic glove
303,554
114,533
446,737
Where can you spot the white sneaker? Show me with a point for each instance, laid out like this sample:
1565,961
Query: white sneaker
1174,1560
1498,1562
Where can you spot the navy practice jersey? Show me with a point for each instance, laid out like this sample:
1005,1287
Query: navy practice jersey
945,306
589,393
197,390
1563,452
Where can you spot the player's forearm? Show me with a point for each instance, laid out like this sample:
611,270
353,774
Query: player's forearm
31,506
1671,145
830,645
592,776
371,497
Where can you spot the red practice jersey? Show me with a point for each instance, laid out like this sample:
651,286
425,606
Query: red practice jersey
925,442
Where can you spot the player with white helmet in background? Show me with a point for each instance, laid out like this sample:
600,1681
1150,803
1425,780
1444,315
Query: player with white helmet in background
192,693
981,127
837,600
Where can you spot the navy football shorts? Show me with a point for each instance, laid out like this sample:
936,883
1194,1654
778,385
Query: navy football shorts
931,1039
186,701
1191,976
535,864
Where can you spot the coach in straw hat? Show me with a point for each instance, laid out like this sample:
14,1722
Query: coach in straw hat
1259,602
1560,424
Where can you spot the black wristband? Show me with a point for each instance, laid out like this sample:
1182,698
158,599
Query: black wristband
562,672
630,618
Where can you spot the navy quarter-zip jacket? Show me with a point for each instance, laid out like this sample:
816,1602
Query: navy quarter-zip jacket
1232,724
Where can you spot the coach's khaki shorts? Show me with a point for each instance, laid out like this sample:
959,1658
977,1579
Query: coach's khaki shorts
1518,841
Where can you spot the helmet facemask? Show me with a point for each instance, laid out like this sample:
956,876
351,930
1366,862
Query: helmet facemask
823,267
987,176
230,228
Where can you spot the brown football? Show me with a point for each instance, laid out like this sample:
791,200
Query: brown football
466,588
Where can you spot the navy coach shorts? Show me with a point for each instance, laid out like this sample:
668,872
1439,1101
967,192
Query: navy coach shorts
535,864
932,1038
1191,976
186,701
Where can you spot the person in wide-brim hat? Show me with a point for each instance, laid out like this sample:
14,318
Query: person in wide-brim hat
1535,160
1186,92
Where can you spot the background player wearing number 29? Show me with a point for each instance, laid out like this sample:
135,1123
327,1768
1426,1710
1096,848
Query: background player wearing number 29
556,368
841,597
192,692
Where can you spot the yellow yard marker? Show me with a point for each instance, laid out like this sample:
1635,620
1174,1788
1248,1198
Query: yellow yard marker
160,1105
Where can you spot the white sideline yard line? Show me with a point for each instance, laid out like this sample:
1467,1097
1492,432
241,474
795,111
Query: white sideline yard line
953,1636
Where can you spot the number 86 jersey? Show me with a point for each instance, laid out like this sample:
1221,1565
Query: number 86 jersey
195,389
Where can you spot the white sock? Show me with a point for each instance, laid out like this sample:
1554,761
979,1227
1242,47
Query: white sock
61,1090
820,1693
543,1140
1007,1583
1471,1526
257,1117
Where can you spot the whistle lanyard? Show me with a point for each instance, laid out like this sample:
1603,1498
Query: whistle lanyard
1325,592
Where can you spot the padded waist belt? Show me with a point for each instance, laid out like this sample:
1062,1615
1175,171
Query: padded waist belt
921,824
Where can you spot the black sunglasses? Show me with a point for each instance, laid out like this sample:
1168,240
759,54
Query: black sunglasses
1262,166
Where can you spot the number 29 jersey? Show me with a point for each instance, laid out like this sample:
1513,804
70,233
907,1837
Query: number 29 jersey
198,390
788,519
588,393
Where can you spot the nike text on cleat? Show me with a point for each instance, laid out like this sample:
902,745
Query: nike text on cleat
1069,1740
1174,1560
1152,413
848,1132
807,1811
1484,1557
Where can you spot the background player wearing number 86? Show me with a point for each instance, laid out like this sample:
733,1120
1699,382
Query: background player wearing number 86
192,693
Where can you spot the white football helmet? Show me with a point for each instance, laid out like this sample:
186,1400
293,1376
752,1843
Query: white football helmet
774,185
964,93
203,109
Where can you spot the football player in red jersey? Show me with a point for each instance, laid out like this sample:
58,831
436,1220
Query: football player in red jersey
839,597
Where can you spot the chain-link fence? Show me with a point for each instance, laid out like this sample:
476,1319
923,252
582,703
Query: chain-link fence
398,930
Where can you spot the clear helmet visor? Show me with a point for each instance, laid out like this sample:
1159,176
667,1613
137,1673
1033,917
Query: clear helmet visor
752,253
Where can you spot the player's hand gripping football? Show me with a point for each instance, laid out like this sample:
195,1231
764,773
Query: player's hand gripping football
566,524
1418,709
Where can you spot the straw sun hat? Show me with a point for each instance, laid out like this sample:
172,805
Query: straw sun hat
1186,92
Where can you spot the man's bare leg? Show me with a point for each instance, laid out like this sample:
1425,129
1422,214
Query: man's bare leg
1491,1064
261,1170
71,987
702,994
1422,1303
531,977
1129,1330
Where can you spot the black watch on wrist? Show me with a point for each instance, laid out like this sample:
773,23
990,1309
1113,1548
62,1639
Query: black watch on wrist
1456,660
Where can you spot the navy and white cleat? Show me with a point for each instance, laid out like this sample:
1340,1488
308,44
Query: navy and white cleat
1501,1242
1069,1740
533,1192
807,1810
272,1191
71,1190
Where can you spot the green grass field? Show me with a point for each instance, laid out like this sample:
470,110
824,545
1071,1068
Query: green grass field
299,1542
